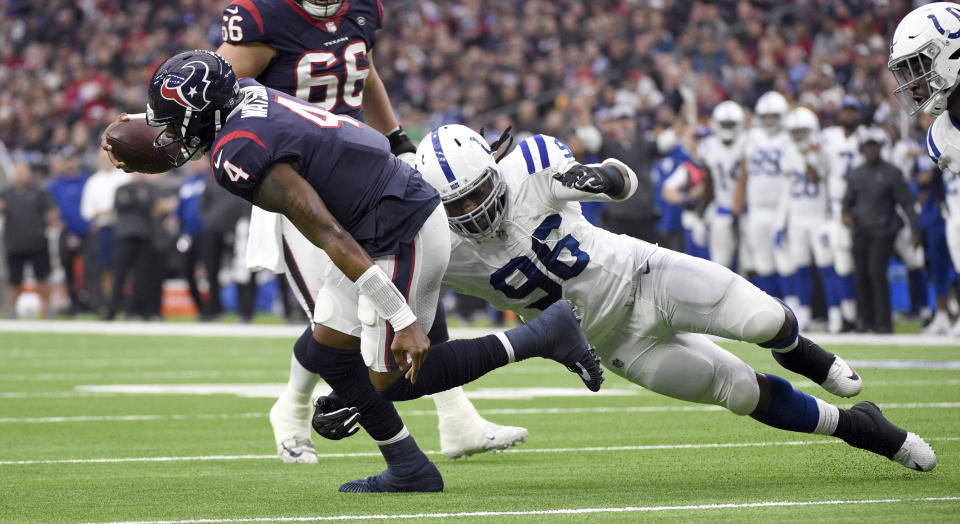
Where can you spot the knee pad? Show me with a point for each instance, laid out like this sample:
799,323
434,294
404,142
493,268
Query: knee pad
301,351
787,334
762,316
743,393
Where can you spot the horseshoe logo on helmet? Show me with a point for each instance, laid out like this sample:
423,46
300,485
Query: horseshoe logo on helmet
190,92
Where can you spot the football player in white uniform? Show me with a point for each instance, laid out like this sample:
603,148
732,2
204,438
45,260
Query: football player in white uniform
520,242
722,153
805,218
769,158
841,152
924,61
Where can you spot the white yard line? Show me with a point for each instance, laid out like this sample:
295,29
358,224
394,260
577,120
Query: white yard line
653,447
430,412
566,511
293,331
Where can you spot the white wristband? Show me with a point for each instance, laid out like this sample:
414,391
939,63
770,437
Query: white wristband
386,298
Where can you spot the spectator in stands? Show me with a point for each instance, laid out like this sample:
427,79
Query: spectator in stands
874,190
67,191
27,212
621,139
96,206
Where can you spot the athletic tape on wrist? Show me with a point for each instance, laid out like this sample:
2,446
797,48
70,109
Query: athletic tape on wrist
386,298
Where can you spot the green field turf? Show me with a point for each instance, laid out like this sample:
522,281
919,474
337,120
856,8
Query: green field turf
614,458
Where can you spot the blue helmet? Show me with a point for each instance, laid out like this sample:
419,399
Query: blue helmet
190,96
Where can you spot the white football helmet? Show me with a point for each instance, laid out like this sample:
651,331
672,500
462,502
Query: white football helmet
924,56
771,109
727,120
321,8
802,124
459,164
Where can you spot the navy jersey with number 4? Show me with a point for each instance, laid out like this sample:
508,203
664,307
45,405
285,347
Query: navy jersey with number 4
321,61
380,200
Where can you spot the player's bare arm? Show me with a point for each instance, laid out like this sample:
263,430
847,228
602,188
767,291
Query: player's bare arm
377,110
248,59
284,191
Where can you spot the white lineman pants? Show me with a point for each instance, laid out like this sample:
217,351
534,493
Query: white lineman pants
953,242
809,243
723,239
331,299
767,257
841,242
660,344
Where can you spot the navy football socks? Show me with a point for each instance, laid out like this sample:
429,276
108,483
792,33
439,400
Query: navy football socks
345,372
408,469
449,365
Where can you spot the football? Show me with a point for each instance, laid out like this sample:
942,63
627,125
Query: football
132,143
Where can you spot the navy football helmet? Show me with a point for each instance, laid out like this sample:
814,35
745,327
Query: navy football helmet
321,8
190,96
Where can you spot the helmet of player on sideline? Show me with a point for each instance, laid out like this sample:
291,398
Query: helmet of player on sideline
321,8
459,164
771,109
727,120
190,96
925,57
803,125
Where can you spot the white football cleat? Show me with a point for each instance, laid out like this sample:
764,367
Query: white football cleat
291,430
842,380
458,441
940,325
297,451
916,454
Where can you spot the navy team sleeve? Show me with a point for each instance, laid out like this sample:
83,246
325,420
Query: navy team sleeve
242,22
239,162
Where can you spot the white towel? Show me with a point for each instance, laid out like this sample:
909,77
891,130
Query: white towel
264,240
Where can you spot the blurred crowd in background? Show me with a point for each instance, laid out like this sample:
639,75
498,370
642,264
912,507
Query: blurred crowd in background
609,77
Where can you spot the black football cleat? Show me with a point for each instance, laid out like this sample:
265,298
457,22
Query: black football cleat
873,432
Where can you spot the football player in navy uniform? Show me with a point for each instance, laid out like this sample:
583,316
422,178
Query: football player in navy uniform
335,179
320,51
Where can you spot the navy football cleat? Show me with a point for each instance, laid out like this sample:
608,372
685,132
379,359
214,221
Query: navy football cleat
426,479
562,339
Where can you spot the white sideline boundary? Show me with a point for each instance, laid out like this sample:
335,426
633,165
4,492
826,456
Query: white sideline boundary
293,331
569,511
430,412
652,447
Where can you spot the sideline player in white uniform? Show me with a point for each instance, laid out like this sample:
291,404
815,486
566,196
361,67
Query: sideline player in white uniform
769,158
841,152
805,218
520,242
722,153
260,42
923,60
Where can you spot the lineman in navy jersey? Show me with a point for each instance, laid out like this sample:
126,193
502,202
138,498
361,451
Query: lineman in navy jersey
295,160
521,242
321,52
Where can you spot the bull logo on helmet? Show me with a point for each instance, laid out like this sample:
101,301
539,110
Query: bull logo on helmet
189,91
